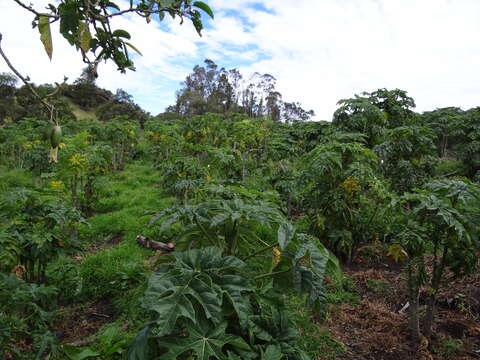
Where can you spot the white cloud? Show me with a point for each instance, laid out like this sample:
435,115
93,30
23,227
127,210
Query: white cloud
319,50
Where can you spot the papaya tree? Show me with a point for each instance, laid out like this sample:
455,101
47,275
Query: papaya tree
441,219
205,305
448,124
408,156
341,192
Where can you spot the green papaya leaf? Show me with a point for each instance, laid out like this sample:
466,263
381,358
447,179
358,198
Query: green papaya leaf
78,353
84,36
121,33
273,352
140,348
205,341
285,234
45,34
197,284
204,7
134,48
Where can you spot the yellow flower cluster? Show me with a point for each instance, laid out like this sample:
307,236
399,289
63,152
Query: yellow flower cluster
78,160
276,255
157,137
57,185
27,145
350,185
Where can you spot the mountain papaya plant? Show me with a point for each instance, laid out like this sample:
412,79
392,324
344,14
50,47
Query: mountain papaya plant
407,154
232,225
81,164
25,317
340,189
228,224
442,219
36,232
205,306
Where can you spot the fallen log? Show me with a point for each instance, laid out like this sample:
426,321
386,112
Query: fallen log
156,245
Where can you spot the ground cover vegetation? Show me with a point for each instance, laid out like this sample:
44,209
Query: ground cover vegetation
291,239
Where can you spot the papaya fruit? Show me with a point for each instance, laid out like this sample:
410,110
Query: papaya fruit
55,136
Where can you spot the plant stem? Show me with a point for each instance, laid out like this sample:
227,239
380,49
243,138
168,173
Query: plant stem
272,274
259,252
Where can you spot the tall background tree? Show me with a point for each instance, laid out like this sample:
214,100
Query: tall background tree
218,90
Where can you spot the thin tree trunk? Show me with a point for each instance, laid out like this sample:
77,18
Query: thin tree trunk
435,285
413,294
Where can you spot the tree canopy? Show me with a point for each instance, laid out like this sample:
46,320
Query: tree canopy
218,90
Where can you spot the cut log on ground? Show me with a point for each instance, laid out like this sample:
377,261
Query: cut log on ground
156,245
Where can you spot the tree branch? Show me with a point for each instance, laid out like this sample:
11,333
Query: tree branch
32,10
147,12
50,108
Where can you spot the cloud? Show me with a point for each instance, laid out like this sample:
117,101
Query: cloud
320,51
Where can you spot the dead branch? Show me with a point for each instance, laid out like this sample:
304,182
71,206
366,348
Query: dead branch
156,245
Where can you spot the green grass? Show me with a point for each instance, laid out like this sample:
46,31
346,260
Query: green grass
124,205
79,112
114,270
313,338
344,292
447,347
378,286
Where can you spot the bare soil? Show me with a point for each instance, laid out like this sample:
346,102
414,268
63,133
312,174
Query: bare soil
77,325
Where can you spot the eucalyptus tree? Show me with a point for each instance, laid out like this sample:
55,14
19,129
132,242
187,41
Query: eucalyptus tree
8,83
86,24
212,89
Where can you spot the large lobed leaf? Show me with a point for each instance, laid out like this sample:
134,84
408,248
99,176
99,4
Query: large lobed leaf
204,341
196,286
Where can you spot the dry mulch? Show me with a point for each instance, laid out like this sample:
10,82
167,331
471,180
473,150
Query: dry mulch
375,330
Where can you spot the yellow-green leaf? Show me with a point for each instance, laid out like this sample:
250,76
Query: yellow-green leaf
396,252
134,48
45,34
84,36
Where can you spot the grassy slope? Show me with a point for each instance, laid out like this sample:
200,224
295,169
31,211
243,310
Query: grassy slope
114,269
79,112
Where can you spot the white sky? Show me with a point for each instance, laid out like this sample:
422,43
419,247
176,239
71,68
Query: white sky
320,51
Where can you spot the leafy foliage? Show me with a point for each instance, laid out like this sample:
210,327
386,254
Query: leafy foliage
88,27
24,314
441,216
204,305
